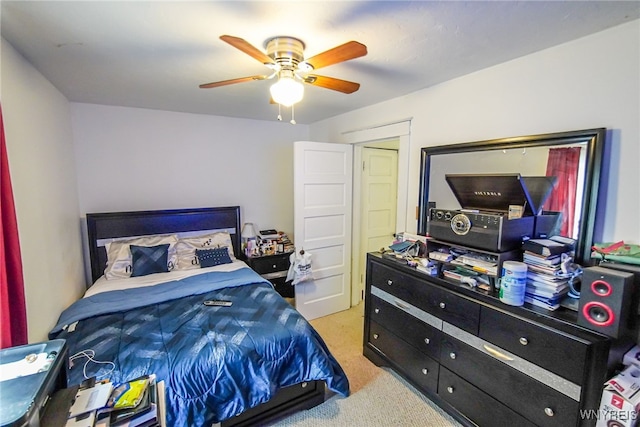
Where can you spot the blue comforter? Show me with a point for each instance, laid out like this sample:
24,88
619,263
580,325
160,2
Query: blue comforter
216,361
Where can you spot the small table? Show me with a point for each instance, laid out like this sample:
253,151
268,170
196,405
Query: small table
274,268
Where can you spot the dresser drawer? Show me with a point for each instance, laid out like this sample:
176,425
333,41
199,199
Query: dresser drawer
525,395
416,332
415,365
553,350
435,300
479,407
463,313
401,285
270,264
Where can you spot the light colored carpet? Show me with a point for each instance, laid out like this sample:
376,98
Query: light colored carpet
379,397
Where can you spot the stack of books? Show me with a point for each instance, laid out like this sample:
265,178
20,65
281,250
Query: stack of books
274,242
547,283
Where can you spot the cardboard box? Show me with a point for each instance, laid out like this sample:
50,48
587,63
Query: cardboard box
632,357
621,399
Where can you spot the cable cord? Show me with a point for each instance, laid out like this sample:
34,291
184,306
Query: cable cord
90,355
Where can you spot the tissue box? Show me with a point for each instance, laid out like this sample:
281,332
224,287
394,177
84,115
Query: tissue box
621,399
632,357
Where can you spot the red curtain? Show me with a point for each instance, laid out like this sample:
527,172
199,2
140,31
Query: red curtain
13,313
563,163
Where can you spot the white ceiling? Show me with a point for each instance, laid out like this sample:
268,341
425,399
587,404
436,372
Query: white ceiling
155,54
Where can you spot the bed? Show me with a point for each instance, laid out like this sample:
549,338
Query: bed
245,364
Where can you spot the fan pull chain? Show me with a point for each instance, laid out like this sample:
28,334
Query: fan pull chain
293,114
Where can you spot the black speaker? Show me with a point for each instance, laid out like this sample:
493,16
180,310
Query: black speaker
605,301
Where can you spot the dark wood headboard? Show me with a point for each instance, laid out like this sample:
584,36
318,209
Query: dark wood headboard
102,227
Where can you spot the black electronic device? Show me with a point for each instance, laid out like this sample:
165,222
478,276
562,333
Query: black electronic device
484,221
605,301
488,231
634,315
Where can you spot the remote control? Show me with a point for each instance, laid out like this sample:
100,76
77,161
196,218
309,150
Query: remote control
218,303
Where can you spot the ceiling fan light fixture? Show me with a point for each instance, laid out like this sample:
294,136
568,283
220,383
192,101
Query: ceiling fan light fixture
287,91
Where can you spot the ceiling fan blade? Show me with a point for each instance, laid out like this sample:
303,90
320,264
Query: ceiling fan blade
344,52
232,81
332,83
247,48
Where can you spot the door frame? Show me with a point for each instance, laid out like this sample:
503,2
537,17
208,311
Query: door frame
370,137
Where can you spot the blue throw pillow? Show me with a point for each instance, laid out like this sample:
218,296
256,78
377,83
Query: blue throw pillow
149,259
213,257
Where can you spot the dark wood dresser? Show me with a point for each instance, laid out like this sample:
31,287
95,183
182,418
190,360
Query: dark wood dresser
484,362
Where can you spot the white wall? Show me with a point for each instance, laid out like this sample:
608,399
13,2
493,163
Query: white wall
588,83
40,151
132,159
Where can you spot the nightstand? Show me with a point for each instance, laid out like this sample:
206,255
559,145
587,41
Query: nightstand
274,268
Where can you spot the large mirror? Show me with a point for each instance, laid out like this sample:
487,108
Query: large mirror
547,155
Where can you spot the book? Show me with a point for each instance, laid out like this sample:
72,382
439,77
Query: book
476,261
546,291
90,399
440,256
125,417
531,258
564,240
541,269
268,234
162,407
546,247
148,418
533,300
131,404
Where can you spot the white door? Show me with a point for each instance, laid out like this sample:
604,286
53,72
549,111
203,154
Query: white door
379,201
322,187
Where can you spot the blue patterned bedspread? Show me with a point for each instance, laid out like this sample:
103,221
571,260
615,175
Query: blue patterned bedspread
216,361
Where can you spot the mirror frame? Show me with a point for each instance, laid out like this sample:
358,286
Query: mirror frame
595,140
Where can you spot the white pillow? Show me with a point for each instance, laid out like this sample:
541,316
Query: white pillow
119,261
186,248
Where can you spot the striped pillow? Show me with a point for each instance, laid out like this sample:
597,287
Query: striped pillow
149,259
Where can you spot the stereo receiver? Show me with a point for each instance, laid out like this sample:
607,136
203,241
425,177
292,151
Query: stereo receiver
484,221
489,231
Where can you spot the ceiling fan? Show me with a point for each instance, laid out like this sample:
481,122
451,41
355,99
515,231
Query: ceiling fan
285,56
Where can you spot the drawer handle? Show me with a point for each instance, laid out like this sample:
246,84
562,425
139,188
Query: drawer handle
442,305
450,389
549,412
304,385
523,341
425,371
452,355
495,353
427,341
274,266
376,311
375,336
389,282
401,305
